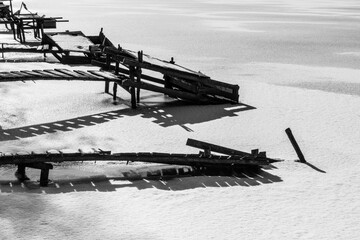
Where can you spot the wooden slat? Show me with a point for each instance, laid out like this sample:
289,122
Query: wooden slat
125,71
106,75
24,75
215,148
8,75
70,73
183,84
170,92
32,73
57,73
89,75
46,74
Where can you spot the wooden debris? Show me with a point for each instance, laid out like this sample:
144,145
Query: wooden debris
295,145
233,158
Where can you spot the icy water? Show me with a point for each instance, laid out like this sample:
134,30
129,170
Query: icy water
317,33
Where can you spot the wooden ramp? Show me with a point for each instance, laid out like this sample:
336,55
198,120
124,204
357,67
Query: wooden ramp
230,158
177,81
57,74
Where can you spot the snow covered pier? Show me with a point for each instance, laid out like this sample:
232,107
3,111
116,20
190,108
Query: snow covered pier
126,67
230,158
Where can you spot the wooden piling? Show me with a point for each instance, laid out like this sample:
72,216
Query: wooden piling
138,75
114,91
132,73
107,83
295,145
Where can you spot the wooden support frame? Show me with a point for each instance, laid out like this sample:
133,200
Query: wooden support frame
177,76
44,174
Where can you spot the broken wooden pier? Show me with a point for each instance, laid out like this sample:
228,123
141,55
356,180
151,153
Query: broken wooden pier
229,158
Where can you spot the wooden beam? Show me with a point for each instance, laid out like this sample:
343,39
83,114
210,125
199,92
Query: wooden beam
295,145
215,148
125,71
165,158
170,92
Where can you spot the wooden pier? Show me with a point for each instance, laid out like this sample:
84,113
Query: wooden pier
206,159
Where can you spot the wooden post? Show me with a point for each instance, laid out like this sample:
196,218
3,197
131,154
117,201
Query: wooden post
117,68
172,61
133,97
107,83
138,75
114,91
44,177
295,145
132,88
20,174
167,83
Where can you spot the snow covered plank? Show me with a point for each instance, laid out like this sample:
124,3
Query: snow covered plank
71,73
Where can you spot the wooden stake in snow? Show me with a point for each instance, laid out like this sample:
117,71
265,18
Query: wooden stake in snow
295,145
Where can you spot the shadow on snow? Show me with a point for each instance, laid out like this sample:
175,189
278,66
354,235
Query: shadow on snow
163,178
170,114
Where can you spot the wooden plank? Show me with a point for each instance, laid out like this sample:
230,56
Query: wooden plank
8,75
57,73
22,74
71,73
46,74
35,74
89,75
215,148
176,159
125,71
214,91
106,75
295,145
163,70
182,84
171,92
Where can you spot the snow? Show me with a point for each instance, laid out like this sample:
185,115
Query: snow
301,72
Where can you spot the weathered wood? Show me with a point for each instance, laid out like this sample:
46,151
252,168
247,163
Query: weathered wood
215,148
295,145
22,74
103,74
182,84
114,91
132,87
176,159
125,71
138,75
58,74
89,75
70,73
46,74
169,92
107,86
32,73
8,75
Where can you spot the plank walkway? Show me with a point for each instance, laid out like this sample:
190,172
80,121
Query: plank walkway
58,74
201,159
231,158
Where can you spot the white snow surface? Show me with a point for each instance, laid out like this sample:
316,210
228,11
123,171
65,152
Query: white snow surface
291,61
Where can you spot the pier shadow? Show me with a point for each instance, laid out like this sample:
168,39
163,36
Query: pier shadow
167,179
165,116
